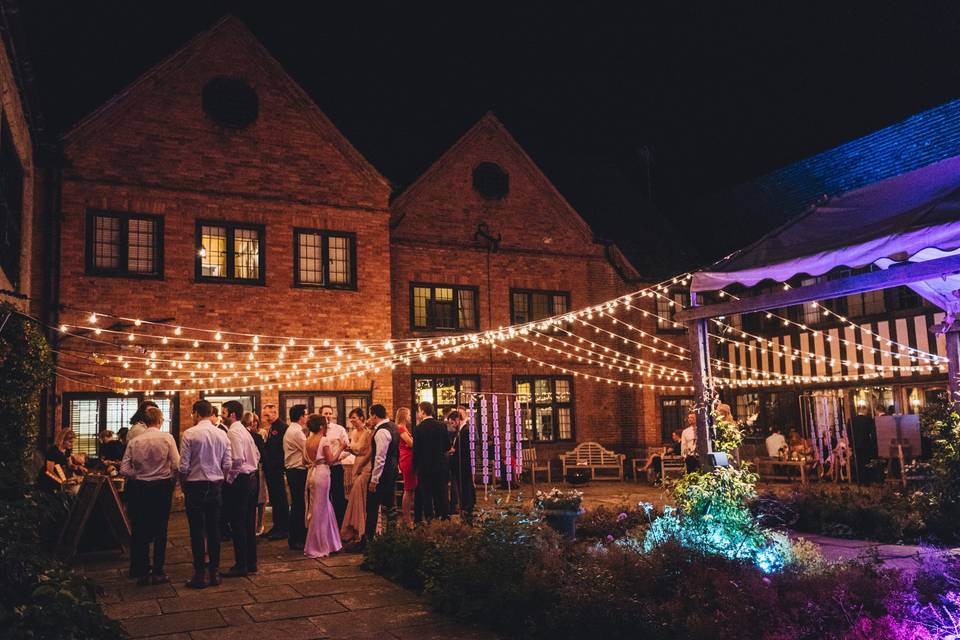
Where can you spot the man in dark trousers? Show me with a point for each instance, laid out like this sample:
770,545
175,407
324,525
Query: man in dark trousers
431,446
294,442
461,473
241,490
275,473
205,459
385,453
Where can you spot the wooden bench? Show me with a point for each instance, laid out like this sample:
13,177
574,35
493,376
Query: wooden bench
530,464
594,457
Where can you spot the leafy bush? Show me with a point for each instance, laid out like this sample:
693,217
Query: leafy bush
938,503
605,524
517,578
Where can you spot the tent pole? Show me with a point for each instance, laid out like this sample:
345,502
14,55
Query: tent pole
700,361
953,366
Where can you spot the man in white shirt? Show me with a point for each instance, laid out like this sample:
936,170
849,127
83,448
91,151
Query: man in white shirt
776,443
241,491
385,451
205,460
688,443
338,494
150,465
294,441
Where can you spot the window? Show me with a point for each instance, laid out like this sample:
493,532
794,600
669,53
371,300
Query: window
546,407
673,415
11,201
91,413
343,402
124,244
250,401
529,306
667,306
230,252
325,259
442,307
445,392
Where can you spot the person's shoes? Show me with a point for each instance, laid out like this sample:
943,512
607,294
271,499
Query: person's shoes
260,532
296,546
214,578
143,581
197,581
276,535
235,572
159,578
268,533
252,569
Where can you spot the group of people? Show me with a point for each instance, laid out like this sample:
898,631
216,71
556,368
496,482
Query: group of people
328,485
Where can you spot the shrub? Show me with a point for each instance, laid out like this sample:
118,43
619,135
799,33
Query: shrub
605,524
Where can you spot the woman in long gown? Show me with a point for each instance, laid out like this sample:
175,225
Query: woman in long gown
355,519
323,537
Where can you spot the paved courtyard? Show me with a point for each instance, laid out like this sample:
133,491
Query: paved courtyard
290,598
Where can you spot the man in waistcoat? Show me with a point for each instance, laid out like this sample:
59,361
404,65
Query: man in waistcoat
385,453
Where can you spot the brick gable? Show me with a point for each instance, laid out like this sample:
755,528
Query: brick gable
155,132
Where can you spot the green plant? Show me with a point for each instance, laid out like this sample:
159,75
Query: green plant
559,500
25,368
939,502
727,435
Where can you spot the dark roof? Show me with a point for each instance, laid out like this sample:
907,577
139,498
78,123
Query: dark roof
918,141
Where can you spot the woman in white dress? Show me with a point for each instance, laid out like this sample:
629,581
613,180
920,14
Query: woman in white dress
323,534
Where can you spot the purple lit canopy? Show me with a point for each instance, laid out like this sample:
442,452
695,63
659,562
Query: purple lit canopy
914,217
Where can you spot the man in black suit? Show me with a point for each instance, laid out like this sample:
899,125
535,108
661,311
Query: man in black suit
431,445
461,472
274,472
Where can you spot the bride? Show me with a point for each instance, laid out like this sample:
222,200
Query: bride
323,535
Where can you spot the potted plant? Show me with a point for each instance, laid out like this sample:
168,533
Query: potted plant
560,509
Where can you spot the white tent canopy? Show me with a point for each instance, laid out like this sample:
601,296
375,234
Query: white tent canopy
914,217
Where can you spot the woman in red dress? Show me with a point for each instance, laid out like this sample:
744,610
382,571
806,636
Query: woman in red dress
405,427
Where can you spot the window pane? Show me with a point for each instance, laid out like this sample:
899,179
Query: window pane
85,422
467,386
311,267
423,389
119,411
545,423
441,309
246,264
873,302
541,392
446,392
526,416
166,406
106,242
213,261
523,391
520,313
289,403
352,402
564,424
141,245
338,260
541,306
421,298
563,390
468,308
559,305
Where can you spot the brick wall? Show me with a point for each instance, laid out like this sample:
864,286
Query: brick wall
153,150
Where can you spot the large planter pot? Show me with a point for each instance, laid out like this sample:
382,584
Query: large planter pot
563,521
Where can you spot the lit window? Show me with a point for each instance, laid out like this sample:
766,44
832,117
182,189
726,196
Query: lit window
444,392
88,414
530,306
546,407
230,252
444,307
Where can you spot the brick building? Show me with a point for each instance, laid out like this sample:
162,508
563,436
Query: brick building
213,182
483,240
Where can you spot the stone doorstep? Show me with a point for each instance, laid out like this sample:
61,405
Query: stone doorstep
301,608
173,623
204,599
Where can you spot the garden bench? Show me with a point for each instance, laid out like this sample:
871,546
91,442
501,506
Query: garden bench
594,457
530,463
672,464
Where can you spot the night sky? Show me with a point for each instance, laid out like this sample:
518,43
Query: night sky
712,93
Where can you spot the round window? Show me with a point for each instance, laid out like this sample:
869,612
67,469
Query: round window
230,102
491,181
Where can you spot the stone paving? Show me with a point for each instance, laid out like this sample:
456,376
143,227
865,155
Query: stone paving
290,598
